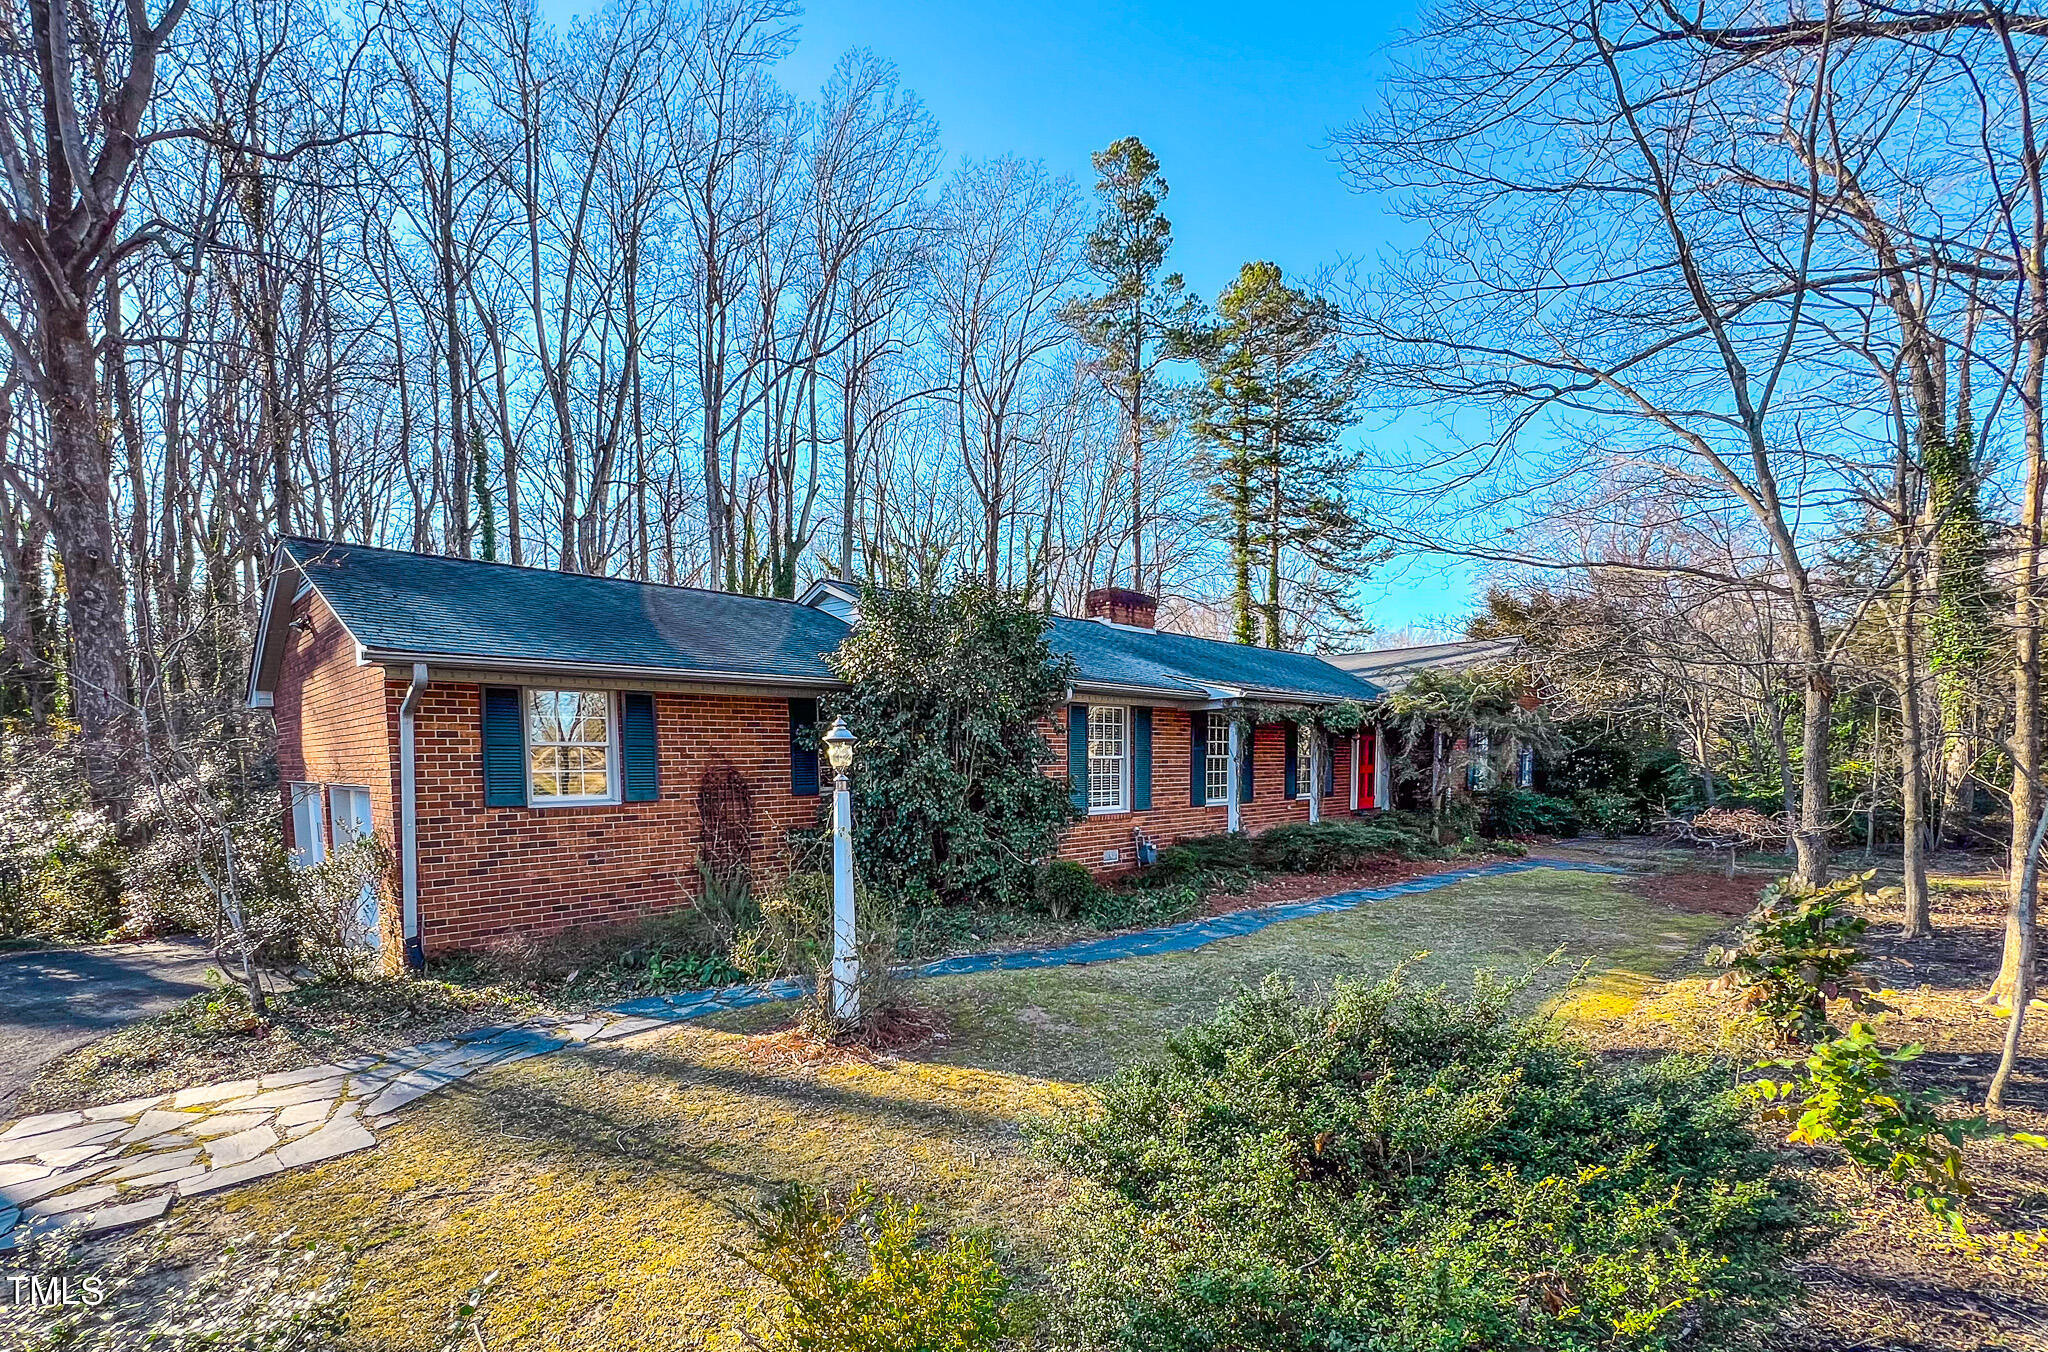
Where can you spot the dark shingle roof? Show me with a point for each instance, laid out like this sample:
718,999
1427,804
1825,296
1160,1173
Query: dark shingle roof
1148,659
1395,667
431,606
405,606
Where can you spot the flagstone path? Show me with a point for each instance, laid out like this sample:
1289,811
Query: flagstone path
123,1164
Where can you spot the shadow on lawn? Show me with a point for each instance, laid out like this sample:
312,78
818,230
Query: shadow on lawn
544,1108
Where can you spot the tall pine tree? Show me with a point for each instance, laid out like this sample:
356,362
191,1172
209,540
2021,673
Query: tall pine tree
1276,395
1133,322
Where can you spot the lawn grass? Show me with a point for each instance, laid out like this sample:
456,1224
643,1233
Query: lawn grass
598,1183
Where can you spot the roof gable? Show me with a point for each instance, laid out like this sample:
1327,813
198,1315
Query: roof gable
1393,668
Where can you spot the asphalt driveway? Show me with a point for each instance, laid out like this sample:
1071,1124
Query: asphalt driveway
56,999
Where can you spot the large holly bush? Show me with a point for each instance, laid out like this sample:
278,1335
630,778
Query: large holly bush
952,802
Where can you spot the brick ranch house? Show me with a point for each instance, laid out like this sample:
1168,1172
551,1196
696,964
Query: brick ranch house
530,743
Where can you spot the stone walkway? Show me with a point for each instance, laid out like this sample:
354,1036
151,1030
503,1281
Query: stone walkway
125,1163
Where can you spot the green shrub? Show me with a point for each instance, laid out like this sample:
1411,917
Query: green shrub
70,893
79,893
1122,908
1849,1097
853,1277
1322,847
1391,1169
1224,852
1066,889
1797,952
1521,812
1611,814
1234,860
313,917
947,694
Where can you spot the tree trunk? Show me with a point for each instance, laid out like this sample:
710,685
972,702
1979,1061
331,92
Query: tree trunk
1273,557
1912,767
2023,987
82,529
2026,692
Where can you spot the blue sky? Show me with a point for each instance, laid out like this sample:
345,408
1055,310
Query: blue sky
1238,101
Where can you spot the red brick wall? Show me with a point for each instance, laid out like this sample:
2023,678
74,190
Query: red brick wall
331,725
487,873
1173,817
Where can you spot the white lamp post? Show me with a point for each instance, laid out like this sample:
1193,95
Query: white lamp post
845,941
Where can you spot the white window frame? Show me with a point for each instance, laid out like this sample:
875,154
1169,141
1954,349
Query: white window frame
1306,748
309,840
335,817
370,903
1213,757
611,757
1122,758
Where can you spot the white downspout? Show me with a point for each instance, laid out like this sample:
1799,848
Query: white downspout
408,826
1235,820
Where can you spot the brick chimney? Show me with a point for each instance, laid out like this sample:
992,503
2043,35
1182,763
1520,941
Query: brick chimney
1121,605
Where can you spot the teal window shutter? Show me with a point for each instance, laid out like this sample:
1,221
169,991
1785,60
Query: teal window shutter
1198,759
803,748
1246,741
1141,759
1292,770
1077,754
1329,768
504,748
637,753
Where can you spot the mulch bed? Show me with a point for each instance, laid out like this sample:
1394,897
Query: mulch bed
900,1028
1880,1273
1700,893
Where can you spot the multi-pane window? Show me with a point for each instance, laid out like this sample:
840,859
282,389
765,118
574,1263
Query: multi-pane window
569,745
1216,786
1108,753
309,825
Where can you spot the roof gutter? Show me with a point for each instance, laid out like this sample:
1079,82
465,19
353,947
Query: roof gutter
1180,695
408,825
1305,696
401,657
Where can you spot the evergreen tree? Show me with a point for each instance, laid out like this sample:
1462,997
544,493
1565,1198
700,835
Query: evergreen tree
947,692
1275,396
1135,321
